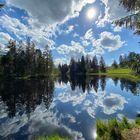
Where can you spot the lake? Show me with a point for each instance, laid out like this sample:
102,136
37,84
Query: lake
67,106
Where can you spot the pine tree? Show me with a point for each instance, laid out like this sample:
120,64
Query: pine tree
102,65
83,65
121,61
94,65
72,67
132,20
114,64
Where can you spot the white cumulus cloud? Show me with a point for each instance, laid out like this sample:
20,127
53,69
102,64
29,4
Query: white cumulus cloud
73,50
109,42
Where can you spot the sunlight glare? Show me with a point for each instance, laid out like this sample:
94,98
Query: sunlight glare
91,13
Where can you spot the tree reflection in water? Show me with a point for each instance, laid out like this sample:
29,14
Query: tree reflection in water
84,82
130,86
22,96
96,81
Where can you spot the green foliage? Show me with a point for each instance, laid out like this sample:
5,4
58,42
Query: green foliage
131,61
112,129
56,71
124,73
132,19
94,65
127,67
54,137
124,124
101,127
115,65
137,121
83,66
24,60
119,71
102,65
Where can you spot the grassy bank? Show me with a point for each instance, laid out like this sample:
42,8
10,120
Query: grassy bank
119,73
112,73
118,130
53,137
123,73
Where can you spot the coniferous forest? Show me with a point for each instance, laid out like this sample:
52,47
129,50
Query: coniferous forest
98,65
25,60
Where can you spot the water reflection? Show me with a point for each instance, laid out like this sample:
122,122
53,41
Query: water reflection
23,96
112,103
86,83
68,106
130,86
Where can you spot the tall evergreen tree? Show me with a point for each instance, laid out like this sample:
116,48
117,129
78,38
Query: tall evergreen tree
72,67
83,65
102,65
88,64
114,64
121,61
94,64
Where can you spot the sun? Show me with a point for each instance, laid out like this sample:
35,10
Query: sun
91,13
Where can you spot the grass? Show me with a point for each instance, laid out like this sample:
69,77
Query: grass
123,73
53,137
120,73
118,130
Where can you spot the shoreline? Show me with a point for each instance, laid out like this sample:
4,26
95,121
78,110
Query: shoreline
111,73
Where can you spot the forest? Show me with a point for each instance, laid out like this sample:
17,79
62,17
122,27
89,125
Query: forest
98,65
23,60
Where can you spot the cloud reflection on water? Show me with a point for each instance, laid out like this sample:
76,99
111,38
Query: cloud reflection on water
59,119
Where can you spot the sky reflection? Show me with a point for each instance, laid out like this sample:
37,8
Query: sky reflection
71,113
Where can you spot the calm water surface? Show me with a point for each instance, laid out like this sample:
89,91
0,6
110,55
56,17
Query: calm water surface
68,107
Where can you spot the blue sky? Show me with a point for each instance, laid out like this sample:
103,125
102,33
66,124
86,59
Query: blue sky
65,26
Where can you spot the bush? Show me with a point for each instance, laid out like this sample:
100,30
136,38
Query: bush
108,130
101,127
137,121
112,129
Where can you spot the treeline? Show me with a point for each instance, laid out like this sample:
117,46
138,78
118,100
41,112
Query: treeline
83,65
132,61
24,60
94,65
